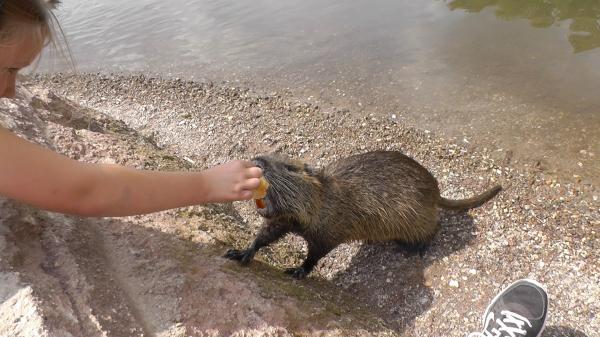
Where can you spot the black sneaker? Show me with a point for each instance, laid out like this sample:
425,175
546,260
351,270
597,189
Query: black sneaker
518,311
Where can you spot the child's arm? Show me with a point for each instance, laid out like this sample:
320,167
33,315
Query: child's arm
47,180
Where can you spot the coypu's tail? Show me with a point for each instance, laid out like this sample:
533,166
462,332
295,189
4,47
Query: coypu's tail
473,202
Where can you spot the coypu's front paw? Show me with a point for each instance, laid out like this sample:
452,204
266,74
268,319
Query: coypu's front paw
244,256
297,273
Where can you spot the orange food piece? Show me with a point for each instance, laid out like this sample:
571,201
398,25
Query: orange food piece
260,193
260,203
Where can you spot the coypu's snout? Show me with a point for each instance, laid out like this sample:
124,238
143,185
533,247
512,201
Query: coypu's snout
292,185
268,211
264,164
259,163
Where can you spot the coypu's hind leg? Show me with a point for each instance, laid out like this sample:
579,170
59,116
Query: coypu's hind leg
316,251
412,249
269,233
429,224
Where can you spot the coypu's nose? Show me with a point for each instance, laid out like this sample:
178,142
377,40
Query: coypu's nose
259,163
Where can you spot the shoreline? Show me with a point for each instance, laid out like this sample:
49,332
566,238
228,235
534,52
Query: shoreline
502,157
521,136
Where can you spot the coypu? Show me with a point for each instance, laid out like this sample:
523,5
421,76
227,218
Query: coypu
375,196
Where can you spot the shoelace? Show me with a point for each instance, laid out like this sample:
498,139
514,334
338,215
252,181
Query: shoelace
509,325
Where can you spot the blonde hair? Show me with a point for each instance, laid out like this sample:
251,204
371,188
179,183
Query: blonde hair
16,13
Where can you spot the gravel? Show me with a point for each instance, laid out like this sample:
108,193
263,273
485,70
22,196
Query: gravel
539,227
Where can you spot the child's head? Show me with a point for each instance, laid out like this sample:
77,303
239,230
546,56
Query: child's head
25,27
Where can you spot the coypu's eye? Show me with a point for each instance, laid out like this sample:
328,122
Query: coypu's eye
292,168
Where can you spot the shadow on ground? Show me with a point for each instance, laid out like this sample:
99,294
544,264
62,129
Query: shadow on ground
134,276
385,266
562,331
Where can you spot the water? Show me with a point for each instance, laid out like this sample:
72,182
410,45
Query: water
518,75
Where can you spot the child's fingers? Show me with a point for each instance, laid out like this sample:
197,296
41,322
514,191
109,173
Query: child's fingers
251,184
247,163
254,172
246,195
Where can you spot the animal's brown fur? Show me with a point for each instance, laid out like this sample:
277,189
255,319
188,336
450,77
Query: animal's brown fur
375,196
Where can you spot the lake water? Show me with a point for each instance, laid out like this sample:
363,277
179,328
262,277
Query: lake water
518,75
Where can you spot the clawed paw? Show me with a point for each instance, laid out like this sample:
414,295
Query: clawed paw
297,273
243,256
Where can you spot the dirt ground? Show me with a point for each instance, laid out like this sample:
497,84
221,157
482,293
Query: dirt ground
163,274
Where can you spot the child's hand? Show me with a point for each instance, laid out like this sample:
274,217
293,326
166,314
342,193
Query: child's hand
37,176
231,181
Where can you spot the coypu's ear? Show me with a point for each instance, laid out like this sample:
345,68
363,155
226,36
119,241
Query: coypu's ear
311,175
310,170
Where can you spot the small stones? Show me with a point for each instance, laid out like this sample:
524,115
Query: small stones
539,226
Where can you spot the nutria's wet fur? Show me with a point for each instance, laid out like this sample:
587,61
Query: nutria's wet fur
375,196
